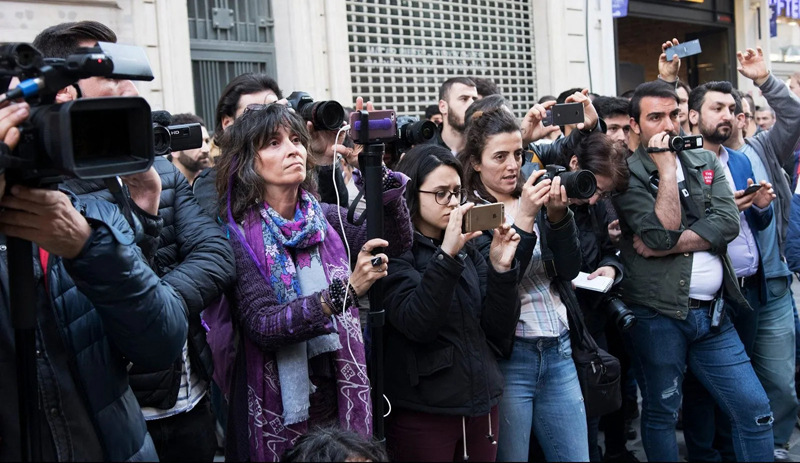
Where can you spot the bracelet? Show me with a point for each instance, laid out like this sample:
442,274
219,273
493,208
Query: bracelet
337,296
353,295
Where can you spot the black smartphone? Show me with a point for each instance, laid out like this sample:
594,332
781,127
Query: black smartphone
684,49
564,114
752,189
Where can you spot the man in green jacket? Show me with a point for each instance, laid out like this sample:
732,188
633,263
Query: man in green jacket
677,218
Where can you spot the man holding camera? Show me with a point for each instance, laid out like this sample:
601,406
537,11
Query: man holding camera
191,256
677,217
99,306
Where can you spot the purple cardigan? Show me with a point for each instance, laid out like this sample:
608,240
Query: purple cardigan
269,325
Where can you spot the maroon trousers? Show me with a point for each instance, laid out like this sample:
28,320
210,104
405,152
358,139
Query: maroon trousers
418,436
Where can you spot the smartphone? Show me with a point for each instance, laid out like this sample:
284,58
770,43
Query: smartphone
684,49
564,114
382,127
752,189
483,217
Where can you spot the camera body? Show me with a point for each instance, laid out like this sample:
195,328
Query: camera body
85,138
325,115
688,142
580,184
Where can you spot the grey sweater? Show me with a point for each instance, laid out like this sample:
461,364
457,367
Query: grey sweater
775,146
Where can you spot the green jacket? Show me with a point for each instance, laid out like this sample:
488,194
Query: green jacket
662,283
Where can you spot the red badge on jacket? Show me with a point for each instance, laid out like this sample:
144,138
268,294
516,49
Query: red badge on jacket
708,176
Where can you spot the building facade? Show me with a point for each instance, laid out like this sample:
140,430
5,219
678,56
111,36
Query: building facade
396,53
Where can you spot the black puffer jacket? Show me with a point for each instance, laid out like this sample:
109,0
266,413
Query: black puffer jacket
194,257
442,314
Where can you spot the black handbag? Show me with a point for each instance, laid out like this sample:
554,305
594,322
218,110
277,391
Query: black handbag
598,371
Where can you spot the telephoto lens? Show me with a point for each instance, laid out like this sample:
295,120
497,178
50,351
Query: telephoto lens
325,115
417,132
580,184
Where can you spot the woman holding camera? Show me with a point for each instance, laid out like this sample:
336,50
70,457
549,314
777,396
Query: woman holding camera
300,360
446,306
542,391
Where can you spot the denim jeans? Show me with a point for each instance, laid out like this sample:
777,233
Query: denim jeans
663,347
542,392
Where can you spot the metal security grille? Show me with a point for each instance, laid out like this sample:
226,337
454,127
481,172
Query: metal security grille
402,50
227,38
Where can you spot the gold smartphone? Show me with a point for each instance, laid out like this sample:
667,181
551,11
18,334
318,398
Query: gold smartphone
483,217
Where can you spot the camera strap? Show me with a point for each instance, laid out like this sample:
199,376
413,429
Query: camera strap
114,185
351,211
688,207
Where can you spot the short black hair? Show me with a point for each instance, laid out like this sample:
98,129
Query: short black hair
334,444
187,118
244,84
63,39
611,106
444,89
420,161
431,111
485,87
655,89
684,86
562,97
546,98
627,94
698,95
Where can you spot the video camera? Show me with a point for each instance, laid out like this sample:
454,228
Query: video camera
85,138
688,142
580,184
325,115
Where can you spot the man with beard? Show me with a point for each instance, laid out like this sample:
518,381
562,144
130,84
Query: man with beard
767,331
677,217
192,162
455,96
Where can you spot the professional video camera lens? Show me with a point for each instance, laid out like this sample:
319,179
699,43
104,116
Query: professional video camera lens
20,55
325,115
623,317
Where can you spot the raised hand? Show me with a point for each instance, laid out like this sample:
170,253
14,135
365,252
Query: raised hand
454,239
752,65
532,127
668,70
503,247
590,116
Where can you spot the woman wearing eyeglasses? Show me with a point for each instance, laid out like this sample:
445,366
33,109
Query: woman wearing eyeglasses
542,392
446,306
300,360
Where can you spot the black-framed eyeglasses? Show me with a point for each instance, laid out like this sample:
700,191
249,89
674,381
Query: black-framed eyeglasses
443,197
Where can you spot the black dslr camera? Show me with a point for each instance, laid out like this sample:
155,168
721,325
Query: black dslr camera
325,115
689,142
580,184
619,312
84,138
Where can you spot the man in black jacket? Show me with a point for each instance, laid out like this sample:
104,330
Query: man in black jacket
192,256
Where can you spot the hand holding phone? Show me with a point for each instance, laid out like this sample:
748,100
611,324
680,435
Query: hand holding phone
752,189
483,217
564,114
683,49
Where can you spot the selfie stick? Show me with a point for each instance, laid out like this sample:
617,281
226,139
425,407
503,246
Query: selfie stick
370,162
23,317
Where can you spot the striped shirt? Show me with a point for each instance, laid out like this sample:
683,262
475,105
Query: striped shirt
191,390
542,313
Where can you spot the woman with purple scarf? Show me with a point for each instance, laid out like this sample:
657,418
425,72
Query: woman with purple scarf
300,361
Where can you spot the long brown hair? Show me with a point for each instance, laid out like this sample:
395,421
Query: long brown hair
482,126
239,186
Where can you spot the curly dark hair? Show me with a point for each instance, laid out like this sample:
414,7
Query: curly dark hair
239,186
482,126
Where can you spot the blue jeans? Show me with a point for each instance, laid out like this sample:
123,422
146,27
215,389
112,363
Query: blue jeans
661,349
542,392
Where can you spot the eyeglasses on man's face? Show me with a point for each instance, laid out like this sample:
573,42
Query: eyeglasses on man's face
443,197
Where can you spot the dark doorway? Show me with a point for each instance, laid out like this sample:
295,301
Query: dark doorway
639,45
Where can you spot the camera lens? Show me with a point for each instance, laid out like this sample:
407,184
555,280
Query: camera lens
161,140
325,115
623,317
580,184
677,143
417,132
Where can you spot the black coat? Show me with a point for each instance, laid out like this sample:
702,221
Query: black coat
442,314
194,257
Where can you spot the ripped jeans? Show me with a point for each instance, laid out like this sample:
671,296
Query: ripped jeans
662,347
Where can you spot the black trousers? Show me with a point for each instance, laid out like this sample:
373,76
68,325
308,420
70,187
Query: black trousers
186,436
